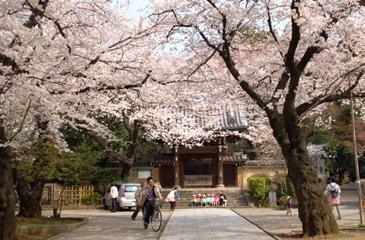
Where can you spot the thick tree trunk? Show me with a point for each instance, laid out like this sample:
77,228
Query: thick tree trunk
30,192
30,198
341,176
125,171
133,138
314,211
7,196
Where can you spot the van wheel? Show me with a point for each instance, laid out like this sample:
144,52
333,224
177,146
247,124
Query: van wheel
129,208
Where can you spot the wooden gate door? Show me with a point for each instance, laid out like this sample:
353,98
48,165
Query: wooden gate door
167,179
229,175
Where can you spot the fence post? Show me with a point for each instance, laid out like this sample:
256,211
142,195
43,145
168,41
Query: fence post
80,188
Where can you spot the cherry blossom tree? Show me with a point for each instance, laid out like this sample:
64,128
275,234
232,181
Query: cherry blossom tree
59,62
71,61
289,58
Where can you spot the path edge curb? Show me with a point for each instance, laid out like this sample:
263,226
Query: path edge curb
258,226
164,226
84,221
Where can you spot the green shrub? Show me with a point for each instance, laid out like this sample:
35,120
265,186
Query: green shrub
259,187
284,186
92,199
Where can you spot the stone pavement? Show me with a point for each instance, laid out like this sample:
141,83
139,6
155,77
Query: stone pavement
210,223
275,221
103,224
199,223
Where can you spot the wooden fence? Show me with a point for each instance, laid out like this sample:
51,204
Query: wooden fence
70,195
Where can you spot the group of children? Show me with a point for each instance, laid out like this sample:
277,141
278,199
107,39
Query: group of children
209,200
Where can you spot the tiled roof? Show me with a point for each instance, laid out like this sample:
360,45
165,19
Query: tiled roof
232,119
236,158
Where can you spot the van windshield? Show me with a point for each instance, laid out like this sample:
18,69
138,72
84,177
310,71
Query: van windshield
131,188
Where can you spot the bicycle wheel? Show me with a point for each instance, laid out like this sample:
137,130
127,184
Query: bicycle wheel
156,220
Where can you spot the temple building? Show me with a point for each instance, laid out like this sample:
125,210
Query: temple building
224,161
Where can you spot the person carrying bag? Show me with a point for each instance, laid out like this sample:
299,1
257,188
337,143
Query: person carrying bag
172,196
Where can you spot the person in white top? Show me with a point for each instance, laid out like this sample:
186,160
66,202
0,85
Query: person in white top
114,197
332,193
172,196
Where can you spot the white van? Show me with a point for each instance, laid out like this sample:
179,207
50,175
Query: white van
126,198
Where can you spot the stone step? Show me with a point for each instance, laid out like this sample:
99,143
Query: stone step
236,197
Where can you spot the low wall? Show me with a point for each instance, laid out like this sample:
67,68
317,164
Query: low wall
133,175
245,172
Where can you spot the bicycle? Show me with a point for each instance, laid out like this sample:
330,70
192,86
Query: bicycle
156,218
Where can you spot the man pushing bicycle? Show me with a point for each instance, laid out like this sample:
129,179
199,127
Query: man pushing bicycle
152,195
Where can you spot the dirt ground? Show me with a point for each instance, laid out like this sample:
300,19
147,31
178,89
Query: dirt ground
40,223
343,235
276,221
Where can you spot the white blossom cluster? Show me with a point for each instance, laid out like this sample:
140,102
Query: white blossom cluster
334,29
72,61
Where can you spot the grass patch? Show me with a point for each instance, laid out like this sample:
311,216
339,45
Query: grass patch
342,235
345,234
361,225
33,237
43,228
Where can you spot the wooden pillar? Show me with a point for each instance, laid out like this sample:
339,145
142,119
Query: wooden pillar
177,167
220,166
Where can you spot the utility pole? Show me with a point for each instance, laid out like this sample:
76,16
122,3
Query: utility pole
356,161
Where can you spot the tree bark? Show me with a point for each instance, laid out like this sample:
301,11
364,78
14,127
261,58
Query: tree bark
341,176
30,192
125,171
7,196
131,150
314,211
30,196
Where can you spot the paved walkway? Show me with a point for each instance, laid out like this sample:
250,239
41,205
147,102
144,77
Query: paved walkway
104,225
210,223
276,221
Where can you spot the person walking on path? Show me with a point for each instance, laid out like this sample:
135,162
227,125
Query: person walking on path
139,201
114,197
289,206
172,196
153,194
332,193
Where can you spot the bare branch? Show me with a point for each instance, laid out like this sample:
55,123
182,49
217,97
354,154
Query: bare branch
206,40
36,13
202,64
295,37
333,95
227,57
308,55
20,128
215,6
110,87
7,85
290,61
269,21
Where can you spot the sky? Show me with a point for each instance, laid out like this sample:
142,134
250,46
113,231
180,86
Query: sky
135,7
